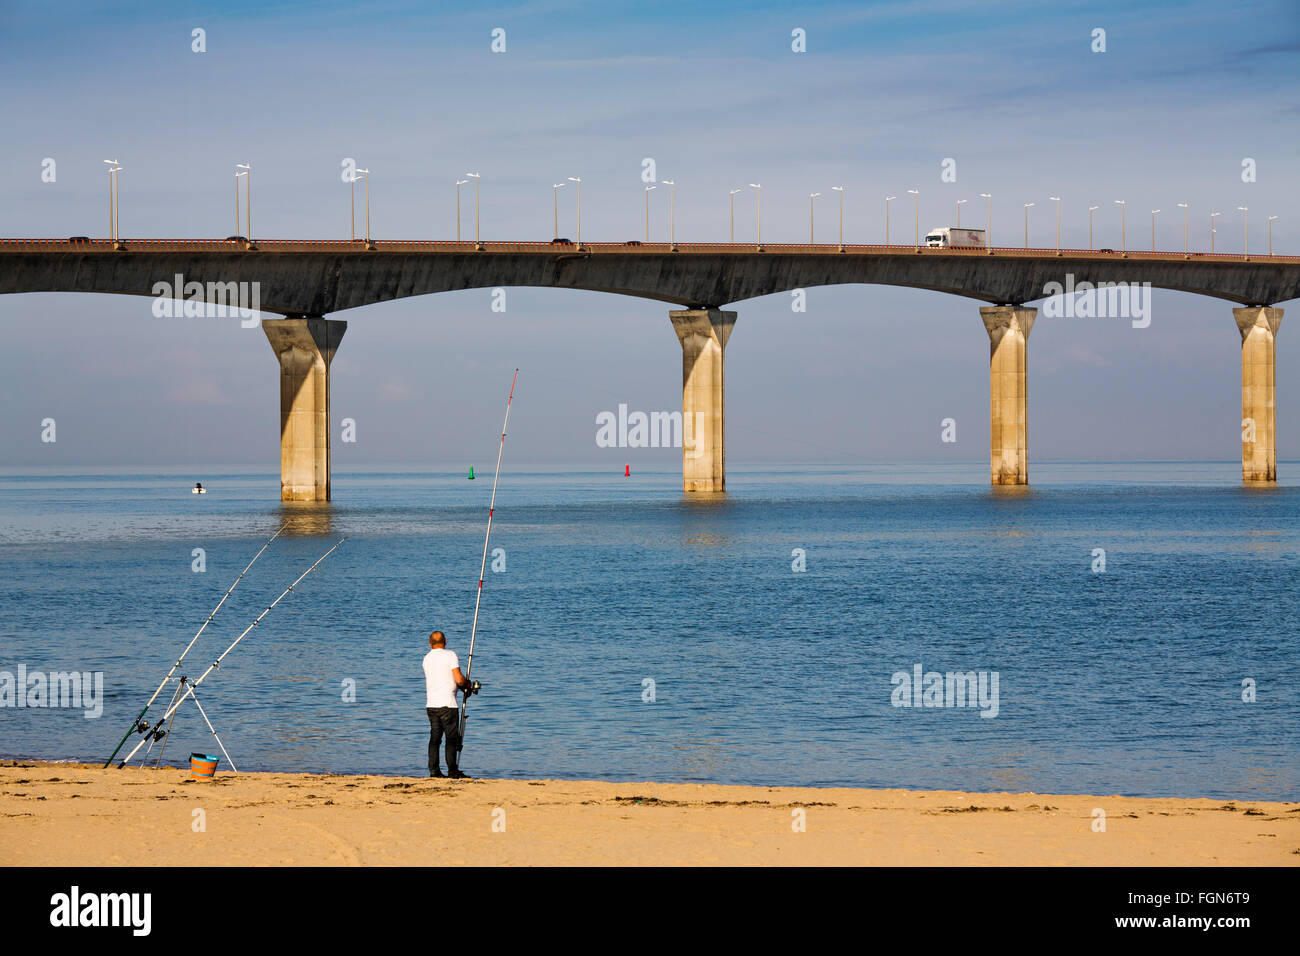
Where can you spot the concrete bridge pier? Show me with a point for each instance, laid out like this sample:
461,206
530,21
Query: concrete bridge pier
305,347
1258,326
1008,327
703,334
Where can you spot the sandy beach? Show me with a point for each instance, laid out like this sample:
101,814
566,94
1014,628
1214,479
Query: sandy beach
78,814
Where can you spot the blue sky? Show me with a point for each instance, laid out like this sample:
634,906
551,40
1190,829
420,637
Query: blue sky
715,95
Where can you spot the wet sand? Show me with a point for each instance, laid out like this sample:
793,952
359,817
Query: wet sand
76,814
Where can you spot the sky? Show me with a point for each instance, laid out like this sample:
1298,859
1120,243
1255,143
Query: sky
714,94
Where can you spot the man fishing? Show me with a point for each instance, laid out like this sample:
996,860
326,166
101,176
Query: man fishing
442,677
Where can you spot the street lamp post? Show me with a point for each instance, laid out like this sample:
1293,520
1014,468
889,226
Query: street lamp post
1270,235
459,183
248,198
917,210
733,214
1186,224
887,201
555,197
812,199
960,202
366,176
1154,213
988,225
1028,205
572,179
840,190
1122,240
672,215
1091,209
1212,229
1057,200
647,212
475,177
1247,226
237,175
113,217
759,188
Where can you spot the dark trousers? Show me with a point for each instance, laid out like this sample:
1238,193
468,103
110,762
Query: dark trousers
443,720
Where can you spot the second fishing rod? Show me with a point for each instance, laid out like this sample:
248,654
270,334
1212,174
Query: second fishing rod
189,691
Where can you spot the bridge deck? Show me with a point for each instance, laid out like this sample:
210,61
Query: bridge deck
324,276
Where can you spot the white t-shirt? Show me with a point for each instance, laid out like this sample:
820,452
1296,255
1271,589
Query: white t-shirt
438,682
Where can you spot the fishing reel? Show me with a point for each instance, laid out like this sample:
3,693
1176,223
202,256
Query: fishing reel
473,688
151,732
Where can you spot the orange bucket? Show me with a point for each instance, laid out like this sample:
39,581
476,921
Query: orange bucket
203,766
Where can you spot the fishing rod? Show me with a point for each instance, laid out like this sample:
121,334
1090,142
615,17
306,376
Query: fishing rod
189,691
135,725
478,596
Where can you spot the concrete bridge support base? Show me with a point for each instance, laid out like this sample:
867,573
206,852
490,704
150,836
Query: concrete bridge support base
1258,326
305,348
1008,327
703,334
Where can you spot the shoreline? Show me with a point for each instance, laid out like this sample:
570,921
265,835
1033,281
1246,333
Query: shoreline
70,814
11,761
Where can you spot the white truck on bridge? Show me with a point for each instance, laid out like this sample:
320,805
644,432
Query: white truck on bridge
952,237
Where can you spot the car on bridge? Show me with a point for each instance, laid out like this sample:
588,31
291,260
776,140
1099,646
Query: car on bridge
561,242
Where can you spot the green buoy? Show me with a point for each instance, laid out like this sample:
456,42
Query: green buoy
471,472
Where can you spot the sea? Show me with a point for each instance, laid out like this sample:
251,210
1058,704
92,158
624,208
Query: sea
1115,628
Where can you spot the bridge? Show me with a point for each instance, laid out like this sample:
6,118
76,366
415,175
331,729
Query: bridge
306,281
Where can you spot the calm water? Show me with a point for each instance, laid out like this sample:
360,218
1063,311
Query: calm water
1127,681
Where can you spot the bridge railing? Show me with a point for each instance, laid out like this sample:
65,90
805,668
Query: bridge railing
632,247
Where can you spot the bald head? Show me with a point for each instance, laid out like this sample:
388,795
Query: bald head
437,639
